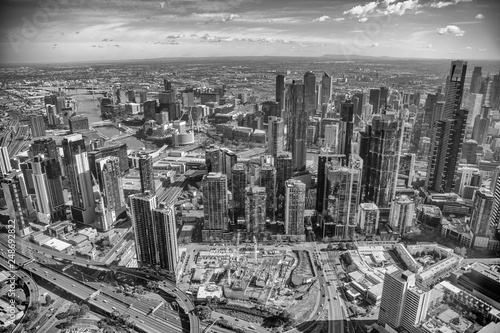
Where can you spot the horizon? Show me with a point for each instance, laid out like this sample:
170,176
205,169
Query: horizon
131,30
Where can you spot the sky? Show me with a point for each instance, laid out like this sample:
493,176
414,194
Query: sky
40,31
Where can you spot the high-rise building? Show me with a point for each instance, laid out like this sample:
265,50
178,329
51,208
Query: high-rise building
380,149
374,100
480,217
215,204
368,219
475,82
295,205
326,88
402,214
495,188
430,103
275,136
5,166
118,150
297,125
80,180
280,91
323,161
14,192
45,146
342,193
37,125
166,237
78,124
415,307
284,172
270,109
358,107
141,207
268,181
47,182
238,185
331,137
384,96
495,92
255,209
310,93
111,188
396,285
213,159
346,128
146,173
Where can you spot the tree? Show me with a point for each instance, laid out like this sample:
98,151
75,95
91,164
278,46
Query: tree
84,310
73,309
140,289
203,312
463,251
48,299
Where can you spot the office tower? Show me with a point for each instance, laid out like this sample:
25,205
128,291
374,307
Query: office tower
324,122
111,188
480,217
141,208
80,180
284,171
416,306
473,104
342,194
47,182
268,181
495,188
297,125
149,109
255,209
324,160
358,108
280,91
481,125
166,237
467,177
401,214
406,169
213,159
37,125
238,183
368,219
475,82
310,135
469,151
486,91
366,113
78,124
396,285
229,159
295,205
215,203
146,173
118,150
310,93
5,166
380,148
448,134
430,103
374,100
14,192
384,96
270,109
346,128
495,92
331,134
275,136
437,113
326,88
45,146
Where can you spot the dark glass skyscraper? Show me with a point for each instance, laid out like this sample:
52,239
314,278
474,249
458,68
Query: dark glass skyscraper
280,91
297,127
475,82
346,128
375,99
146,174
310,100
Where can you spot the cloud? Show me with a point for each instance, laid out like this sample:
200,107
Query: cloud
363,19
481,50
468,48
374,45
338,19
428,46
480,16
397,7
451,30
322,18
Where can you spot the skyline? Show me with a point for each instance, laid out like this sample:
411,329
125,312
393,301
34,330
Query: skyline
72,31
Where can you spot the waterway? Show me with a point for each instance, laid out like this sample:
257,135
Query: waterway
88,105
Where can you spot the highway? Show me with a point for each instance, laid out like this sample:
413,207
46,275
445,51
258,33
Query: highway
107,304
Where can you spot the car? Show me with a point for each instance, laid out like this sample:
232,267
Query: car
72,285
221,317
113,308
323,295
328,300
335,297
105,301
251,327
142,321
236,319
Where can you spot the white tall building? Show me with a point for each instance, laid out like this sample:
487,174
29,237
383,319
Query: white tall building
167,251
275,136
5,166
401,214
415,308
369,215
40,182
295,205
331,137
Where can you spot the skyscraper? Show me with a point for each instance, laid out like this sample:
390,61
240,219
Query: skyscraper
384,96
368,219
323,161
268,181
331,137
396,285
45,146
215,204
280,91
401,214
48,189
213,159
14,191
346,128
118,150
284,171
380,149
146,173
141,207
480,217
79,176
297,125
310,93
295,204
255,209
326,88
275,136
166,237
111,188
343,193
238,185
374,99
37,125
475,82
